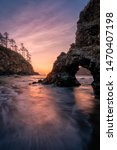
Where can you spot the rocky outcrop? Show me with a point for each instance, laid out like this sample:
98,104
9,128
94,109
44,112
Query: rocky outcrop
13,63
84,52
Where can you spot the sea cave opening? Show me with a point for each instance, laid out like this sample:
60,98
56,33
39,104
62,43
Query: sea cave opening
84,76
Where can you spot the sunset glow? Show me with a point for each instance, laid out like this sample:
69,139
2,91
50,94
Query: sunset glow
46,27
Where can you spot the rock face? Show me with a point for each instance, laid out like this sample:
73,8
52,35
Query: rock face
84,52
13,63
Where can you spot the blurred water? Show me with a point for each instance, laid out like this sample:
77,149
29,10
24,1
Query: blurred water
41,117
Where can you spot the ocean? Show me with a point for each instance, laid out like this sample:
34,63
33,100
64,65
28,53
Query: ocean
46,117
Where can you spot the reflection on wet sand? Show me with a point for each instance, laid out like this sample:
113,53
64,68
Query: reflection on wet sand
38,117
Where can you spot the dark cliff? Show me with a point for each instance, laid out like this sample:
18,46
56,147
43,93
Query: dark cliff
84,52
13,63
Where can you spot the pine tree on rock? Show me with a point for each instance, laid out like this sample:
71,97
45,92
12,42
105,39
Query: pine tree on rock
12,43
1,39
6,35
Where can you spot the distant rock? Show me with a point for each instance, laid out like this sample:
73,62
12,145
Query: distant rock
84,52
83,71
12,63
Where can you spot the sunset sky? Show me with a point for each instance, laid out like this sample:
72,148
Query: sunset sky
46,27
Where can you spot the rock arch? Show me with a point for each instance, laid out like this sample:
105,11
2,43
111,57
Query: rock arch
84,76
66,67
84,52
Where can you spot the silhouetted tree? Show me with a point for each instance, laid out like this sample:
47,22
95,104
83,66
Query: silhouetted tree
23,51
28,56
1,39
26,53
16,48
6,39
12,43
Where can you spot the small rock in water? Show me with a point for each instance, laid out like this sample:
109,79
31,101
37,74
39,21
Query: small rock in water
17,76
34,82
40,81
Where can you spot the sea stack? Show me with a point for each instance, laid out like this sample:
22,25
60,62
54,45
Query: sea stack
84,52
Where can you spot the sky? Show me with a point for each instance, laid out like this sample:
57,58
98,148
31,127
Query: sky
46,27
